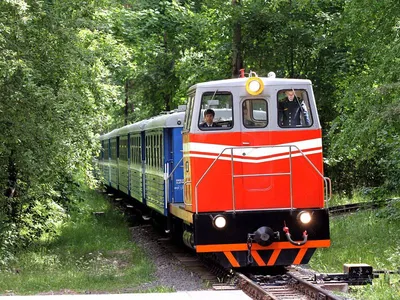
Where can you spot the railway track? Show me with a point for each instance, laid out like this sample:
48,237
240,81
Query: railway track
347,208
290,285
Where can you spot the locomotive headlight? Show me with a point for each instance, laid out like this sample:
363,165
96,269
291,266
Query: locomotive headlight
219,222
304,217
254,86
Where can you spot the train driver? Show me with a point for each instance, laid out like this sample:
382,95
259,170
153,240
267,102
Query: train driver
209,115
292,111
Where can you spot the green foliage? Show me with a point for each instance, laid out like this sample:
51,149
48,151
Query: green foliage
89,254
363,237
159,33
58,77
391,212
384,288
9,241
364,138
360,238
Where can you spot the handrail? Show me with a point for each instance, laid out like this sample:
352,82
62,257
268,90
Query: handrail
233,184
291,178
173,170
167,178
328,189
327,181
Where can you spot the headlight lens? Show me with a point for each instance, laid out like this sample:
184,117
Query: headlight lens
220,222
254,86
305,217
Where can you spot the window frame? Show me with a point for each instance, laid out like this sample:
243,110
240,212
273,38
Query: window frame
246,104
214,94
305,98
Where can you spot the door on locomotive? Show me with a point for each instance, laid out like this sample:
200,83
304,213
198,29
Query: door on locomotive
254,117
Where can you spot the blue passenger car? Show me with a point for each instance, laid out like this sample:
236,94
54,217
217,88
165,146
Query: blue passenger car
144,161
163,153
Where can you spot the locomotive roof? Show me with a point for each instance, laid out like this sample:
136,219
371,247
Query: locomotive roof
242,82
174,119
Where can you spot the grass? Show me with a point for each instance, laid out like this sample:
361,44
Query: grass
92,254
364,237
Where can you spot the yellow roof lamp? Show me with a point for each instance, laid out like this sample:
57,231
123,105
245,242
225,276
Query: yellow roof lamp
254,86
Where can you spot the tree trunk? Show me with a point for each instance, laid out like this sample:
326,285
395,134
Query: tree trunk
126,102
237,60
167,102
12,177
10,192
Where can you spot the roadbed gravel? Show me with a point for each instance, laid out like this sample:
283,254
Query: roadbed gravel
170,273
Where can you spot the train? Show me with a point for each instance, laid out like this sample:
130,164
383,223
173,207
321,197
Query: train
249,191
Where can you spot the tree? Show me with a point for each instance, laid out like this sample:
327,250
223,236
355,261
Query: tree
56,83
365,135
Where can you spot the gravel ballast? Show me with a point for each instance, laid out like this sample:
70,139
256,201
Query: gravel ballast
170,273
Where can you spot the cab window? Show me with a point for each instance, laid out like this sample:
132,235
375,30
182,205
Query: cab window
254,113
216,111
294,109
188,115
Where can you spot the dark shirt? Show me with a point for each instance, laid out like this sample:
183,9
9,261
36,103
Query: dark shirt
206,125
290,112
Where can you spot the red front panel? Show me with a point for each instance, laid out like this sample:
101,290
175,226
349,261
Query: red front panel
266,177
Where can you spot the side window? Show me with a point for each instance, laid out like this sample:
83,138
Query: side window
255,113
147,150
139,145
161,152
113,150
132,150
157,151
294,109
189,113
123,154
106,148
152,150
135,150
216,111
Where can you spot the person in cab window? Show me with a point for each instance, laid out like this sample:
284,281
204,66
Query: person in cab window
290,111
209,115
